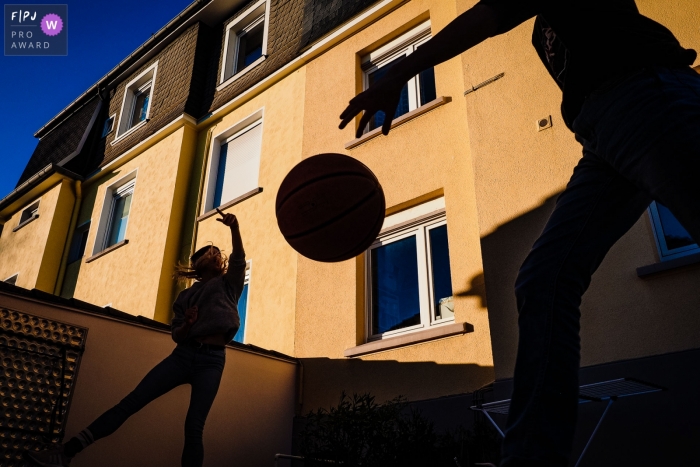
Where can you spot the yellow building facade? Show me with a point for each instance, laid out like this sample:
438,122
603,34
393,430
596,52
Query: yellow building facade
481,151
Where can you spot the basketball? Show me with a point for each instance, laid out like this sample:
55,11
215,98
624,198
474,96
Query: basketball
330,207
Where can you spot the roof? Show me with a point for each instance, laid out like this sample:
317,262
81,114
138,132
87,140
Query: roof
59,146
35,180
113,313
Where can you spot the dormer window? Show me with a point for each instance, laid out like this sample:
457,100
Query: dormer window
137,103
246,41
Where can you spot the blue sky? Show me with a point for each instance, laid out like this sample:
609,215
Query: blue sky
34,89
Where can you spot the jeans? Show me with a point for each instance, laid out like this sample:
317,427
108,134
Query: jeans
202,368
641,142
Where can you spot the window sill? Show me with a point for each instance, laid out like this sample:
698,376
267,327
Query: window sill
31,219
437,332
106,250
129,131
233,202
241,73
663,266
423,109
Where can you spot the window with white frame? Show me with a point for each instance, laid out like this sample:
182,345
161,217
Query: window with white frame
672,239
235,162
409,284
114,218
419,90
245,42
243,306
29,212
119,216
136,106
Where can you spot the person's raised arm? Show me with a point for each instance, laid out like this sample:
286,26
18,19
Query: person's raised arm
236,266
464,32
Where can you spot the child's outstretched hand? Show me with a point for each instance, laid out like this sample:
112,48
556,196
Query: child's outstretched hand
191,315
228,220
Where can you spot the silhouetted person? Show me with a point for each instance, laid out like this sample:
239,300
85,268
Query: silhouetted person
633,102
206,319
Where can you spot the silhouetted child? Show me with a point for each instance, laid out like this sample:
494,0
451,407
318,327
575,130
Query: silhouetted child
206,319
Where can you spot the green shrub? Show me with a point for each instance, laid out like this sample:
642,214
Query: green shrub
360,432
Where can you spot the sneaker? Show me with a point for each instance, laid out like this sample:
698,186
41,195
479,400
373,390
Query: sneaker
51,457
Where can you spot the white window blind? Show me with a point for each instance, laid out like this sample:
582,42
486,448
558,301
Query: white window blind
239,164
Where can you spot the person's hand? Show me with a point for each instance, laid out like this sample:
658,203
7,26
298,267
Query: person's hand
191,315
384,95
228,220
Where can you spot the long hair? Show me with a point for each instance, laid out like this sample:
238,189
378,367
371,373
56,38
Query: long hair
186,273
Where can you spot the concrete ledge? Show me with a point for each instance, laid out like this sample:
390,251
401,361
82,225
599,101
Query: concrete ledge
106,250
437,332
234,201
31,219
663,266
423,109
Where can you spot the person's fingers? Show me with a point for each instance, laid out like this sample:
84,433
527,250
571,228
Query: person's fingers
348,115
366,117
219,211
386,126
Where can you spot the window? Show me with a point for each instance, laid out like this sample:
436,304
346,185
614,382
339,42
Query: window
136,106
235,162
12,280
243,307
672,239
419,90
246,41
114,218
29,213
77,247
409,282
119,217
108,126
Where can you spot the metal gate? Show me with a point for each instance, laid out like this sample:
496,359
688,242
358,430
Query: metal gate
39,360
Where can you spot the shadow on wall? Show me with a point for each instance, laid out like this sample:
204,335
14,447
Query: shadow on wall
476,288
622,316
503,252
324,379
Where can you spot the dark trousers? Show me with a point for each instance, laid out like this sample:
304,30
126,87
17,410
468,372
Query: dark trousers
202,368
641,142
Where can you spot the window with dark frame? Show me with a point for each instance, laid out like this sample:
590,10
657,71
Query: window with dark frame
108,126
77,248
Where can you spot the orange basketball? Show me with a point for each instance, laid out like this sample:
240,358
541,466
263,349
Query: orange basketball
330,207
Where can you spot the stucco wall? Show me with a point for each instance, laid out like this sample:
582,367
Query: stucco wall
271,293
250,421
131,277
519,171
429,154
34,251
